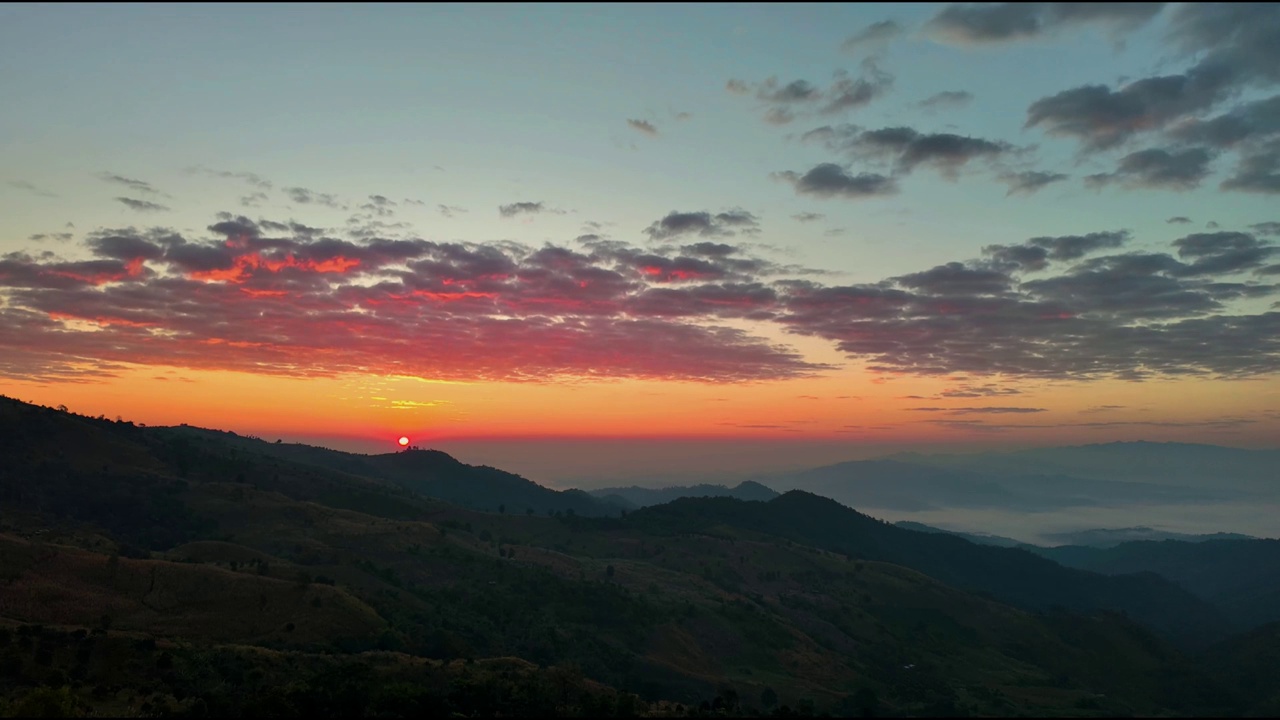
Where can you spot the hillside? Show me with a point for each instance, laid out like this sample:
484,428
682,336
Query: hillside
1242,577
427,472
238,562
638,497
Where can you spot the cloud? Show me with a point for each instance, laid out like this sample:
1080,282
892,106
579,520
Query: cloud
875,36
303,196
904,149
135,185
947,99
807,217
58,237
1029,182
979,410
829,180
850,93
24,185
252,179
783,103
141,205
285,298
254,199
321,306
526,208
1231,47
975,391
1266,228
1258,171
643,126
1158,168
1179,220
450,210
678,224
1245,122
986,23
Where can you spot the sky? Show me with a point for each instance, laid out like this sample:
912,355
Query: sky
601,241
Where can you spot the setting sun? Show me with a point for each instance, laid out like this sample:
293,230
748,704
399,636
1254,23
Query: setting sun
404,441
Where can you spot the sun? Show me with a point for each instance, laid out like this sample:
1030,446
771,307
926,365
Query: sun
404,441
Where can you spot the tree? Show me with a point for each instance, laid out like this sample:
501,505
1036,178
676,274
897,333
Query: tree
768,698
608,570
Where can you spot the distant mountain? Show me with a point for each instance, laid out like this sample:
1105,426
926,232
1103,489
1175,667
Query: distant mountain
919,486
979,538
428,472
1192,465
638,497
1106,538
1011,575
1241,577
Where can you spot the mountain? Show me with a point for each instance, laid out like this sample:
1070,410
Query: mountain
1246,664
1207,467
1010,575
1107,538
1241,577
896,485
163,571
428,472
976,538
638,497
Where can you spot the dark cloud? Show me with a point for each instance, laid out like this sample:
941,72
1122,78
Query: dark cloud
705,224
1231,46
957,279
1101,118
873,37
982,23
135,185
1266,228
58,237
807,217
784,103
1222,253
303,196
1158,168
947,99
523,208
905,148
29,187
380,206
450,210
141,205
1246,122
1258,170
1028,182
829,180
849,93
1179,220
643,126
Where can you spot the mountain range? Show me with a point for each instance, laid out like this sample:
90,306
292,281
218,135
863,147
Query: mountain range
191,572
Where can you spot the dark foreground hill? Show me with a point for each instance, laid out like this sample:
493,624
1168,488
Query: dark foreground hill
149,571
1242,577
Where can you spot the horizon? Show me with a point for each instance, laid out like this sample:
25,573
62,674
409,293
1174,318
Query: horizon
781,236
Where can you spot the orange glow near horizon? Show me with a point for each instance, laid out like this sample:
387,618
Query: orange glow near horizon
853,407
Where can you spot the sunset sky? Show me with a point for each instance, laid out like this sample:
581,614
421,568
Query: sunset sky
587,240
